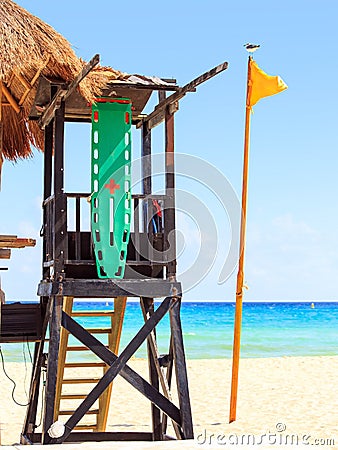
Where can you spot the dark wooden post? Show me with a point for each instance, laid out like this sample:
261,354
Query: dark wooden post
60,254
146,159
39,362
60,211
147,186
47,189
170,221
148,309
181,370
52,366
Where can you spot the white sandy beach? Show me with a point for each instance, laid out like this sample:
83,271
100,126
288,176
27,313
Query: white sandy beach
277,397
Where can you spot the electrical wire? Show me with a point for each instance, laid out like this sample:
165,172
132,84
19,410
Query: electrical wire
29,351
11,380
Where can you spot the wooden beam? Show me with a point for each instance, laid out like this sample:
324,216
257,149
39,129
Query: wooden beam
63,94
158,115
170,212
14,242
10,98
153,87
5,253
88,288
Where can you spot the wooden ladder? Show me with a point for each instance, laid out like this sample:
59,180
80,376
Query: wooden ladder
92,371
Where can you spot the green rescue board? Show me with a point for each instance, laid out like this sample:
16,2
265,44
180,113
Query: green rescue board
110,180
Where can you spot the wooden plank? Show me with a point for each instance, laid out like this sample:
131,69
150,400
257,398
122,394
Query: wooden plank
7,237
77,348
5,253
63,94
84,436
73,396
15,242
84,364
99,330
80,380
158,115
10,98
86,427
109,436
71,412
92,314
107,288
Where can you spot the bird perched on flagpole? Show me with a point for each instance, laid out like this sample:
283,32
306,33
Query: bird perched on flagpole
251,47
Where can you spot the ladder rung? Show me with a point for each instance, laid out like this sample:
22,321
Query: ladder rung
70,413
79,348
80,380
85,427
85,364
99,330
73,396
92,314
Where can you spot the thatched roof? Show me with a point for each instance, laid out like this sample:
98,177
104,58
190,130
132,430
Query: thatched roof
30,47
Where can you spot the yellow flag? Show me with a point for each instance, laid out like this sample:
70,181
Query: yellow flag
262,85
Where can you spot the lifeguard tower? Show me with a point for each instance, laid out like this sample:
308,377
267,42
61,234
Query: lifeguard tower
130,251
114,260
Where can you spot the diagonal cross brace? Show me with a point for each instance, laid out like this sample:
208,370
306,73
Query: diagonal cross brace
118,365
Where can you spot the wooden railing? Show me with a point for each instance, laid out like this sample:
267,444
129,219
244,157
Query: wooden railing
146,244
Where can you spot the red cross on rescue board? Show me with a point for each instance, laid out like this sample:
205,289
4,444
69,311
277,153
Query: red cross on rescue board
112,186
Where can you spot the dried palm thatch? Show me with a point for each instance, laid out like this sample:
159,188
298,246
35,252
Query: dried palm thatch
28,47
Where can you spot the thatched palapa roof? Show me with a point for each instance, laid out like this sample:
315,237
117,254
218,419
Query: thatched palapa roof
28,48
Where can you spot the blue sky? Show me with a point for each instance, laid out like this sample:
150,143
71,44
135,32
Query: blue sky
291,238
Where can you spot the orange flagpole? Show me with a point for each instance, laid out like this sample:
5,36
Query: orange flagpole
240,274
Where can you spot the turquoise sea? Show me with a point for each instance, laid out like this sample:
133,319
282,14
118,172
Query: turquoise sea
268,329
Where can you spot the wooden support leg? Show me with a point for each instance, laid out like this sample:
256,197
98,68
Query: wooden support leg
181,370
147,305
52,366
158,373
29,424
168,381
